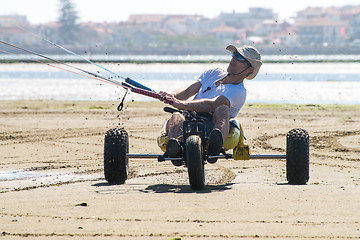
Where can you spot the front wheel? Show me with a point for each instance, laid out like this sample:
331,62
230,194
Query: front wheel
116,163
195,162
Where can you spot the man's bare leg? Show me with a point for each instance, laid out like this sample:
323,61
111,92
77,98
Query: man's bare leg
221,120
219,133
174,126
174,131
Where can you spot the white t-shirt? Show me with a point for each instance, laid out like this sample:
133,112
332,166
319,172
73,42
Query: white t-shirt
235,93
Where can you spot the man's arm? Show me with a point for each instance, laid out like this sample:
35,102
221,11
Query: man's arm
201,105
188,92
179,100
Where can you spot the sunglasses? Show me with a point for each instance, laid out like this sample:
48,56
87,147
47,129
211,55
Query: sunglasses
239,57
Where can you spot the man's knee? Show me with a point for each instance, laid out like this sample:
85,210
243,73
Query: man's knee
222,107
177,117
222,111
176,120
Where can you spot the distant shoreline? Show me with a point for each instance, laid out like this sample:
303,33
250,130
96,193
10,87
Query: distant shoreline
178,61
176,58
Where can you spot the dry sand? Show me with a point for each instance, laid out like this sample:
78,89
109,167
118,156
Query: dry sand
57,150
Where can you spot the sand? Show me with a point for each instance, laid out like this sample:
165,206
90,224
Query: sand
53,153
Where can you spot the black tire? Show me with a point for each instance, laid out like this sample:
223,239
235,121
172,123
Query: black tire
297,156
116,163
195,163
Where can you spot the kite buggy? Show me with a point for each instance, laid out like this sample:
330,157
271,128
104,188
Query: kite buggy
196,132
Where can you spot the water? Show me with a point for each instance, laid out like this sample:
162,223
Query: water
177,58
299,83
19,174
21,179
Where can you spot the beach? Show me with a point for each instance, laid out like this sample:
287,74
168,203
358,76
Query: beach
52,183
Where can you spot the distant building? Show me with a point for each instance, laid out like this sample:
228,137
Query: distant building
321,32
246,19
316,27
344,13
12,20
270,27
262,13
183,24
147,20
177,24
354,30
10,30
227,34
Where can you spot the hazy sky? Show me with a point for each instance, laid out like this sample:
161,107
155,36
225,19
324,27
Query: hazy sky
41,11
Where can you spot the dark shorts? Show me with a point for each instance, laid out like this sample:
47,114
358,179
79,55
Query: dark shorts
207,115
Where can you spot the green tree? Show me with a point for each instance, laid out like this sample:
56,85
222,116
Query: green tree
68,22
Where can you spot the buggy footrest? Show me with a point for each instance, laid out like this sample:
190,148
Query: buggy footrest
161,157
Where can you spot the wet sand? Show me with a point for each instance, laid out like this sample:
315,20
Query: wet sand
56,151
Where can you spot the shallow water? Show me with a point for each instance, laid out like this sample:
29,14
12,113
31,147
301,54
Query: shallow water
312,83
19,174
22,179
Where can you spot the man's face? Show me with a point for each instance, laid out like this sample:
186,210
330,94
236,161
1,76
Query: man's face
238,64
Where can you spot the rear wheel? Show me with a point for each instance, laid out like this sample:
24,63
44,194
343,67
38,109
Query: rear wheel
116,163
297,156
195,163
